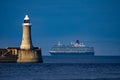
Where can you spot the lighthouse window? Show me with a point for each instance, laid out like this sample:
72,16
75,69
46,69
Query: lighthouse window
26,21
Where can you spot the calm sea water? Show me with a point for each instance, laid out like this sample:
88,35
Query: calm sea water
59,71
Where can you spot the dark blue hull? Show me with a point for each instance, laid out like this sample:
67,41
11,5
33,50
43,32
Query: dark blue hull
73,54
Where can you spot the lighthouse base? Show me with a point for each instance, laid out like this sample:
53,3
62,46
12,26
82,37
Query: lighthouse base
33,55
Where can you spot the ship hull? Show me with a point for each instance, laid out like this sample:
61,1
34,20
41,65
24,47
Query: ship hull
73,54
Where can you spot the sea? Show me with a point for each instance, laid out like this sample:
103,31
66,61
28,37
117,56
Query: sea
59,71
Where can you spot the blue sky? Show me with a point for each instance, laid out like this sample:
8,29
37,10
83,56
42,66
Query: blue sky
94,22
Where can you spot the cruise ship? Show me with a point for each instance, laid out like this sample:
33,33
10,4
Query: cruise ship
73,49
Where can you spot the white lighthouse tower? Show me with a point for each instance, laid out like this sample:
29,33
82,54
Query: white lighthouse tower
26,38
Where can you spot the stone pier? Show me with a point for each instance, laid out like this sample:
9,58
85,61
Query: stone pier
29,55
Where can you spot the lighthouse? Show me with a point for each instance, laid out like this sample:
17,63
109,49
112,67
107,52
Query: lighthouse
26,52
26,36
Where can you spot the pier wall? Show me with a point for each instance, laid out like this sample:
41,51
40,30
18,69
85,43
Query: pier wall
20,55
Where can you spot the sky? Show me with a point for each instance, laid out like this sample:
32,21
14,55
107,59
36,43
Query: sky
96,23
